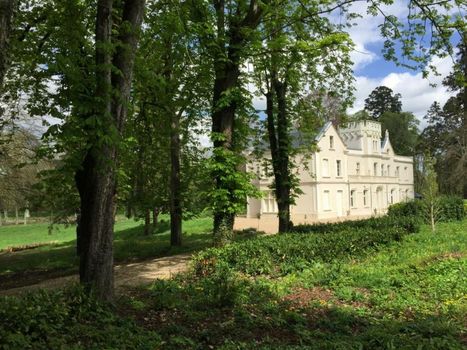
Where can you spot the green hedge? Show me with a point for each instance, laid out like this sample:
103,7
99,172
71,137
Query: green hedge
404,209
409,223
451,209
283,254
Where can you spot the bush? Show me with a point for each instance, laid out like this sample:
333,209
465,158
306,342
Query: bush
451,209
409,223
404,209
67,320
283,254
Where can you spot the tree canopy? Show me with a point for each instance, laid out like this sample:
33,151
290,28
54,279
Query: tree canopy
381,100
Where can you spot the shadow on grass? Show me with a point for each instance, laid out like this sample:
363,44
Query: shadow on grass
238,313
130,245
31,266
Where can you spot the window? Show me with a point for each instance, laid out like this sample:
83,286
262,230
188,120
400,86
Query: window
392,196
382,169
352,198
389,171
397,171
331,142
406,195
375,169
365,197
357,170
375,146
269,204
325,168
326,202
338,168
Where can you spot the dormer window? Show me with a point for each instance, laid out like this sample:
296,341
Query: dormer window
331,142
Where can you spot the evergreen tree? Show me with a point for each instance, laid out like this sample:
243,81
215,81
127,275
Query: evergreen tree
382,99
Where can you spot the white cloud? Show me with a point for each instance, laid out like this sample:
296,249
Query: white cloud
417,94
366,31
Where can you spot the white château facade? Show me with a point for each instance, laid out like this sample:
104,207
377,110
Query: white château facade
354,174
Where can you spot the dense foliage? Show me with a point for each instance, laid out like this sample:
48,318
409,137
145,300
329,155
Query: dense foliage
450,208
287,253
70,319
411,224
407,295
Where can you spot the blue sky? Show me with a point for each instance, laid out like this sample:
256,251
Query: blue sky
371,70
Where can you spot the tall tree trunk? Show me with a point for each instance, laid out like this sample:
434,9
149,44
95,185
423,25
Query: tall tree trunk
147,222
227,71
7,8
16,216
283,186
155,217
223,131
96,180
175,186
464,113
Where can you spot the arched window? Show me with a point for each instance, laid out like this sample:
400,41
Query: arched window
392,196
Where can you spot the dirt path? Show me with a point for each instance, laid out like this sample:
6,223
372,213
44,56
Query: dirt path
133,274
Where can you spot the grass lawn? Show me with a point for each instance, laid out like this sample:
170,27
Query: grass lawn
20,235
130,244
409,295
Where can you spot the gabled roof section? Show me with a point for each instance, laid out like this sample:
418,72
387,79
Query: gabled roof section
322,131
386,144
325,129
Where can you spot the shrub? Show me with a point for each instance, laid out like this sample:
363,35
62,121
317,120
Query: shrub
64,320
283,254
409,223
450,208
403,209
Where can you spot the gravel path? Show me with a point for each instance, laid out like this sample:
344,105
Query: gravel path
132,274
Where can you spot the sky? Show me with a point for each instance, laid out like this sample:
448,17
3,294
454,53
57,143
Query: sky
371,70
